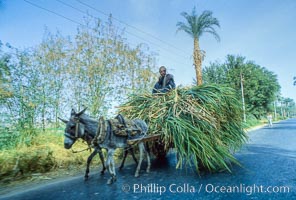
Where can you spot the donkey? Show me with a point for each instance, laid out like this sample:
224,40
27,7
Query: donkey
82,126
112,141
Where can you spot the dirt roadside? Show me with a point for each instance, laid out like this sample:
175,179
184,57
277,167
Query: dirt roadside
11,185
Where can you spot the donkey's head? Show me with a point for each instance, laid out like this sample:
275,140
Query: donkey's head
74,128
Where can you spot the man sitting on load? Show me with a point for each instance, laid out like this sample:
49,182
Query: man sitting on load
165,82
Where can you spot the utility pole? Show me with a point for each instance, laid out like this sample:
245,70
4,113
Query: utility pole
274,104
282,113
243,98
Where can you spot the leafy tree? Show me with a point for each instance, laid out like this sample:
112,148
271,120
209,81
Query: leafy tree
50,59
7,136
96,69
21,106
196,25
294,80
288,107
5,67
103,68
260,85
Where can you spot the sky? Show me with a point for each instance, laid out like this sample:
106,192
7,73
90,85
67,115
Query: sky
262,31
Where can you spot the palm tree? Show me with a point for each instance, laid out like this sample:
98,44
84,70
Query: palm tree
195,26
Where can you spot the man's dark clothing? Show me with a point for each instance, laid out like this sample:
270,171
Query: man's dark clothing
164,84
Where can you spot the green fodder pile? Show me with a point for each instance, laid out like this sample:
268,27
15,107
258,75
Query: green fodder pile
204,123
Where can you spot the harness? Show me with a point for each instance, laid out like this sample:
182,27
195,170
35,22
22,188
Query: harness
115,127
102,131
76,136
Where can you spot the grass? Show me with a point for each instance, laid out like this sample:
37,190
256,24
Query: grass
44,153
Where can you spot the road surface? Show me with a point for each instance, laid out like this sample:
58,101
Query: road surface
268,172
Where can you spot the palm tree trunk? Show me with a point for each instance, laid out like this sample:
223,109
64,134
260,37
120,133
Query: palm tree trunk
197,62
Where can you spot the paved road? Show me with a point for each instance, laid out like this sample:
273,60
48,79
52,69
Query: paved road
268,172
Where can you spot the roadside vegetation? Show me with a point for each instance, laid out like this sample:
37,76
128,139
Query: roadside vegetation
43,153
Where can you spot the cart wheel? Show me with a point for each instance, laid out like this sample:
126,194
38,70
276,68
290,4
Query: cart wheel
159,149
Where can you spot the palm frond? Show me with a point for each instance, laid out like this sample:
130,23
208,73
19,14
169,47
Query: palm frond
196,24
183,27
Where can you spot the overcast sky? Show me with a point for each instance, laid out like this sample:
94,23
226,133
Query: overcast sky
261,30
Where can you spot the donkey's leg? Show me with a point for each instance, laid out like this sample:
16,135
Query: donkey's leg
141,148
102,160
108,162
110,166
125,151
89,159
113,169
133,154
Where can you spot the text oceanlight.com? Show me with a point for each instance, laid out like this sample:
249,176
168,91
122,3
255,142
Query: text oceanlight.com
207,188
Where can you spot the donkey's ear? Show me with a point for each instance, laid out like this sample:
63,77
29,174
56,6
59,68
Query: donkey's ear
73,112
81,112
63,120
